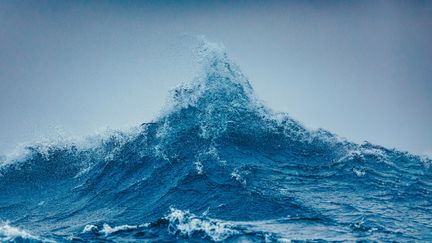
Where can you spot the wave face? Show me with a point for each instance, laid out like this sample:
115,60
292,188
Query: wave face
216,165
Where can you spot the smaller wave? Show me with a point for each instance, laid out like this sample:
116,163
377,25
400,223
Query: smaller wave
187,224
100,146
9,233
107,229
179,225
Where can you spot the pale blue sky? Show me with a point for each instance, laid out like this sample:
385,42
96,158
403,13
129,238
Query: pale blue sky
361,69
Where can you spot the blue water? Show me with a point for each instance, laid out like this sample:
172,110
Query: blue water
216,165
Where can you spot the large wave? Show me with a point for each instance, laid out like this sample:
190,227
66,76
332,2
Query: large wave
216,165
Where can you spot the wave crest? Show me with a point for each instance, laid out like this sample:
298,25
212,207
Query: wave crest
215,147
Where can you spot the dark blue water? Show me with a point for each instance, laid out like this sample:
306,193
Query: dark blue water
217,165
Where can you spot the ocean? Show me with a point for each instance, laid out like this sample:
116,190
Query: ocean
215,165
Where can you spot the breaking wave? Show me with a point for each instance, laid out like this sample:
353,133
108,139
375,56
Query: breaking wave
216,165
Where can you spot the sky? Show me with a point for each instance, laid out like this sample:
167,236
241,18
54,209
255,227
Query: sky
360,69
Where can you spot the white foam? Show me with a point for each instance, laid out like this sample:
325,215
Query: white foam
236,175
106,229
360,152
359,172
9,233
186,224
90,228
199,167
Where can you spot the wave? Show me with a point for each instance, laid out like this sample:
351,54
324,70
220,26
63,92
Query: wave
215,165
184,224
9,233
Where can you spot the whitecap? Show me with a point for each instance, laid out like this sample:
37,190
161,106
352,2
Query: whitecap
186,224
10,233
106,229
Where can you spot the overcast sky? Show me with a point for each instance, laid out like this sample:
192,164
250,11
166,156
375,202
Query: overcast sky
361,69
